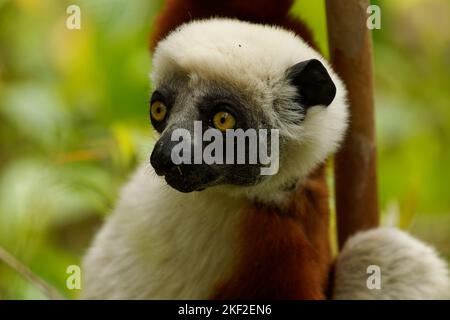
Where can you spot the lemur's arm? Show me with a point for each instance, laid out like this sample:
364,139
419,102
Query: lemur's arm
409,268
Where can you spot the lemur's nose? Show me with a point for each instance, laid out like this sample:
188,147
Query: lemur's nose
161,158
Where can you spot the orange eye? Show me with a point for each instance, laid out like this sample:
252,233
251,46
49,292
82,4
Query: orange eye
223,120
158,111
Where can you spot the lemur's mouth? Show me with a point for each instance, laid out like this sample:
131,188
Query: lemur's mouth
189,178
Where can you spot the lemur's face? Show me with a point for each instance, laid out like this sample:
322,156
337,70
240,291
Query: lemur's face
237,116
196,105
231,110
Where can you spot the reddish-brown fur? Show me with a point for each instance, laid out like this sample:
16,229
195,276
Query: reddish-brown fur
284,255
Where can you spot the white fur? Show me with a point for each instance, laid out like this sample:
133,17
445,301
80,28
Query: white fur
409,268
163,244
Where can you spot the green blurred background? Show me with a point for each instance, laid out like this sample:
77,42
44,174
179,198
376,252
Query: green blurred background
73,122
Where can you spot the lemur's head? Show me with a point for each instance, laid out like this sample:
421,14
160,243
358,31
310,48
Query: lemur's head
230,74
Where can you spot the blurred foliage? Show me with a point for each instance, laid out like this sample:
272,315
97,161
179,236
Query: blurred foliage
73,122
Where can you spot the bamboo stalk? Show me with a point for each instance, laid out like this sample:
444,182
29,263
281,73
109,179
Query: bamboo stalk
350,45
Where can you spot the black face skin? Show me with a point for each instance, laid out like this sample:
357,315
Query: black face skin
186,105
202,107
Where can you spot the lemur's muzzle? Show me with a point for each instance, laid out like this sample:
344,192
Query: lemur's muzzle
183,177
161,158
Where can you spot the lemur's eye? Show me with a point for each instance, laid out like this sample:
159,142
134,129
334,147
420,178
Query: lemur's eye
223,120
158,111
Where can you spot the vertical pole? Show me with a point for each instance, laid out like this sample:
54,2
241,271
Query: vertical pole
350,45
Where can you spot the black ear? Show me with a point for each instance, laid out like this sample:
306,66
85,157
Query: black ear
313,83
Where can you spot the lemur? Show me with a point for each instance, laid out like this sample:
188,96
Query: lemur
221,231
